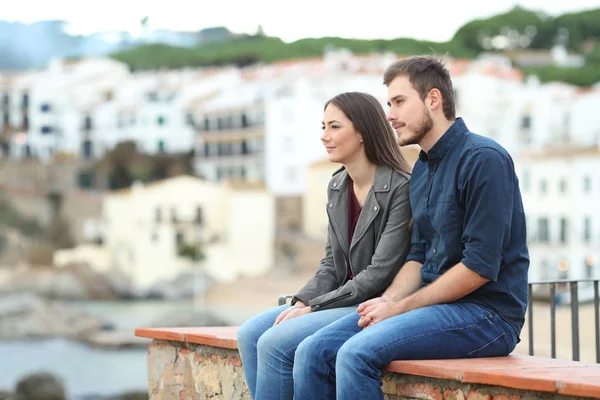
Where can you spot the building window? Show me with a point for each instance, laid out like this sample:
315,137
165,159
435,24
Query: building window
563,186
587,229
199,216
543,186
87,123
87,149
526,121
162,147
86,180
45,108
179,238
245,121
25,100
587,184
563,230
206,124
189,119
589,267
173,215
543,230
46,130
158,215
161,120
155,237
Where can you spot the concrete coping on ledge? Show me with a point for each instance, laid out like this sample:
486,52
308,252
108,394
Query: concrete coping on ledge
515,371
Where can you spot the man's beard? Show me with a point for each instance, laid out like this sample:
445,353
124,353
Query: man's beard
419,130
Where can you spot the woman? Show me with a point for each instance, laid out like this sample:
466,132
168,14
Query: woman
368,240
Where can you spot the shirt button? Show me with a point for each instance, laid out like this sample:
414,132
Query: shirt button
335,184
385,186
374,208
434,251
432,173
330,205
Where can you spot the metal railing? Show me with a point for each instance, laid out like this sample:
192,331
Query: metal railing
573,299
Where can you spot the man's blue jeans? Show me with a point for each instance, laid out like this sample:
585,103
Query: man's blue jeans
267,351
344,361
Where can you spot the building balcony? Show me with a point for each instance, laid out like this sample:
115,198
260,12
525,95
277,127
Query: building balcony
232,134
227,158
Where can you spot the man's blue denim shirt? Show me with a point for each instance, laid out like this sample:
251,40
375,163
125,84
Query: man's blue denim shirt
467,208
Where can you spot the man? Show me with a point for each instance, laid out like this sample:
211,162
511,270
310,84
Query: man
463,289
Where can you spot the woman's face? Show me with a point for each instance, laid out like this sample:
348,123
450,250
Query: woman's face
342,142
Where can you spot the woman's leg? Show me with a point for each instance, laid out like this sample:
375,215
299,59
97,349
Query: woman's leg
247,338
276,350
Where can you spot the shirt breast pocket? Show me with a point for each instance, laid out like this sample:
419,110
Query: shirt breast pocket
446,220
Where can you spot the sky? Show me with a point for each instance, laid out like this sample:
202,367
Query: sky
435,20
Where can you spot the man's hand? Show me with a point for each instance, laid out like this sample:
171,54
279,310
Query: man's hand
284,314
365,307
380,311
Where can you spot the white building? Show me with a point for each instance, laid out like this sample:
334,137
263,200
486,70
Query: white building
268,128
147,227
561,193
86,107
44,105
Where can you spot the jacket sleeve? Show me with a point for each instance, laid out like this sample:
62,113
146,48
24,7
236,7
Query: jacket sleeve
324,280
390,254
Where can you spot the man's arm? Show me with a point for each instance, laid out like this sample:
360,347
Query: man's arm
407,281
455,284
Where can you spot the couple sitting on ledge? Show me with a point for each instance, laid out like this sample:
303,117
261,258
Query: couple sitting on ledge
428,264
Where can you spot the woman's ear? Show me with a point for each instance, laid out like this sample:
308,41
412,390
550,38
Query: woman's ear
359,136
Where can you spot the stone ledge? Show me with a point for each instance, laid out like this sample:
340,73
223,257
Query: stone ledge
204,363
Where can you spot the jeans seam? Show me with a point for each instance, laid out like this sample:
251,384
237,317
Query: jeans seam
487,345
284,355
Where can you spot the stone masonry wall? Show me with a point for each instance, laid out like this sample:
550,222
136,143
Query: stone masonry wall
185,371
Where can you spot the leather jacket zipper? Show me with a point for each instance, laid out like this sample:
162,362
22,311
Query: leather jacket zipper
326,303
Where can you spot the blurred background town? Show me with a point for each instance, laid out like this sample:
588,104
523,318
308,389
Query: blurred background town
161,168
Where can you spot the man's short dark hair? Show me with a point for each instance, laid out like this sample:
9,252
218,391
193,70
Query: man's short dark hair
425,73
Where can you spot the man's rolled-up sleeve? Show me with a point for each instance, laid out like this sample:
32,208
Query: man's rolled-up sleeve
417,248
487,184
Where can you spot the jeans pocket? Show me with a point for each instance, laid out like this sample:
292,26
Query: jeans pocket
497,347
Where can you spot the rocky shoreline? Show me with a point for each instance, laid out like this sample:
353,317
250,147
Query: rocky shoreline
37,302
46,386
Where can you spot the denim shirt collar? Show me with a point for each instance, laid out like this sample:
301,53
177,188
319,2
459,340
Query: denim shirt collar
446,142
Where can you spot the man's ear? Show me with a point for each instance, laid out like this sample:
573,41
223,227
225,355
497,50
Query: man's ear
434,99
